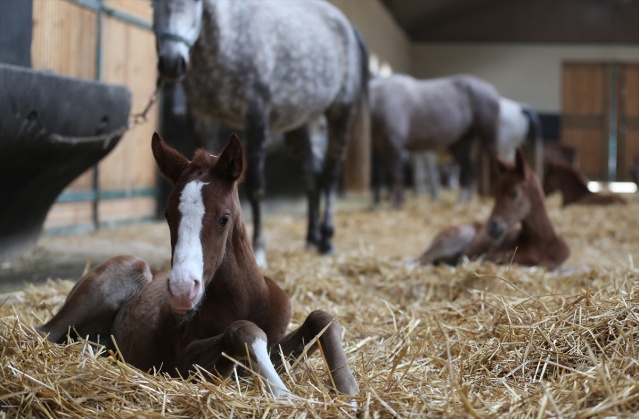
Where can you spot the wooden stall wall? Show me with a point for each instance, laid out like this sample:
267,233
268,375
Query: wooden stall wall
65,41
584,118
628,105
600,117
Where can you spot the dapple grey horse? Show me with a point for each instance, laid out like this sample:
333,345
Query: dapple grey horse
270,66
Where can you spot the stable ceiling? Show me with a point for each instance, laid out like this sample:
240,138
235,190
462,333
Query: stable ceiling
556,21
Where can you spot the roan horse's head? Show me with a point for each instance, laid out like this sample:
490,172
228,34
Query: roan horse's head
177,25
201,211
513,193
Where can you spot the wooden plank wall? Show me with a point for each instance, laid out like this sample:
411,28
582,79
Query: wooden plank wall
65,42
589,115
584,118
628,105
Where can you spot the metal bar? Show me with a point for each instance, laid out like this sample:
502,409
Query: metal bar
87,228
90,195
95,181
612,126
97,6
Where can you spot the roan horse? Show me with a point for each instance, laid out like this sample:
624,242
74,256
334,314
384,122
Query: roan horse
573,186
270,66
415,115
519,198
214,300
518,124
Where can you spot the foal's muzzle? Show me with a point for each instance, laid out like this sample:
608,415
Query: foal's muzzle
184,295
496,229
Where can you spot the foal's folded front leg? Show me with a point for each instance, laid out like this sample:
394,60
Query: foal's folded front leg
241,341
322,324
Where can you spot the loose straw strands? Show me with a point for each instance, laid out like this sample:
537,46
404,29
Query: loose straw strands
476,340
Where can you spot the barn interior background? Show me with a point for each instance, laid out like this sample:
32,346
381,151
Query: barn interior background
426,340
545,65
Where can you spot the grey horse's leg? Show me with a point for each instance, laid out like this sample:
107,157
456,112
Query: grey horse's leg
95,300
300,144
256,135
339,119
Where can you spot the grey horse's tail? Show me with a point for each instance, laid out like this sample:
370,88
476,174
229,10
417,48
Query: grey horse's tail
358,156
535,132
535,138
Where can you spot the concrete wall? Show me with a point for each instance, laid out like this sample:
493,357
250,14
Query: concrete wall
525,72
384,37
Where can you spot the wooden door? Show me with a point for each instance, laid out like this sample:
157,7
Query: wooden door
584,118
628,119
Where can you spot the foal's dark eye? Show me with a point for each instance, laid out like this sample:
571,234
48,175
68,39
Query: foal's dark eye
223,221
514,194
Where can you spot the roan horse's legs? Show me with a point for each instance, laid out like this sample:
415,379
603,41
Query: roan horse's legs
331,342
96,298
465,154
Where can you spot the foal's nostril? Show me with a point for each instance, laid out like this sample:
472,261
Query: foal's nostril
495,229
168,287
197,284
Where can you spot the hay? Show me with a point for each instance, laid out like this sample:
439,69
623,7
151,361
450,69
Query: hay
478,340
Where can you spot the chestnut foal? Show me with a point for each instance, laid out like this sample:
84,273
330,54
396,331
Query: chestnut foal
214,300
519,198
574,186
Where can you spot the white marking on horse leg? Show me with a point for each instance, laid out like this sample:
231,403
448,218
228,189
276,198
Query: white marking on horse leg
267,370
188,260
260,258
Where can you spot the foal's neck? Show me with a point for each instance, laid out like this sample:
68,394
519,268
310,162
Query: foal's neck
537,227
239,272
571,185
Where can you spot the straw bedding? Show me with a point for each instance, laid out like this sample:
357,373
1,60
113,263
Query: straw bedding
477,340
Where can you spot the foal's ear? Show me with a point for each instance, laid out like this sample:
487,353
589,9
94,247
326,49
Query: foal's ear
520,164
231,163
170,162
500,166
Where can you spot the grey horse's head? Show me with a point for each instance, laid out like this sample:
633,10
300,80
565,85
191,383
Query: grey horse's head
177,25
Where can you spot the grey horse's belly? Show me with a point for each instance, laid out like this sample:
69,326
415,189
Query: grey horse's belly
231,107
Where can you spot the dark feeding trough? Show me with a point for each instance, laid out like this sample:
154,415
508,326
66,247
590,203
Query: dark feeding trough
52,129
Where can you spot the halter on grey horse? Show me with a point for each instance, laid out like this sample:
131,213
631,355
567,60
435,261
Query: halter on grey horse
270,66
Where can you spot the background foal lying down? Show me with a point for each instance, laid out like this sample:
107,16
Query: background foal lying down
519,199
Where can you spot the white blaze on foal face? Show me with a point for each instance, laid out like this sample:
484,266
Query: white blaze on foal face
185,279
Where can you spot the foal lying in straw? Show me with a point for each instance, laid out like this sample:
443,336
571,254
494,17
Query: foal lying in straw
214,304
519,199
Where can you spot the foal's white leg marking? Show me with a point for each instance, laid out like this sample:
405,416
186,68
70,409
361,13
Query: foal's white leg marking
267,370
188,259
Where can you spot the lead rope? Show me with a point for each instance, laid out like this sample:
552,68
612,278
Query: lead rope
134,121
